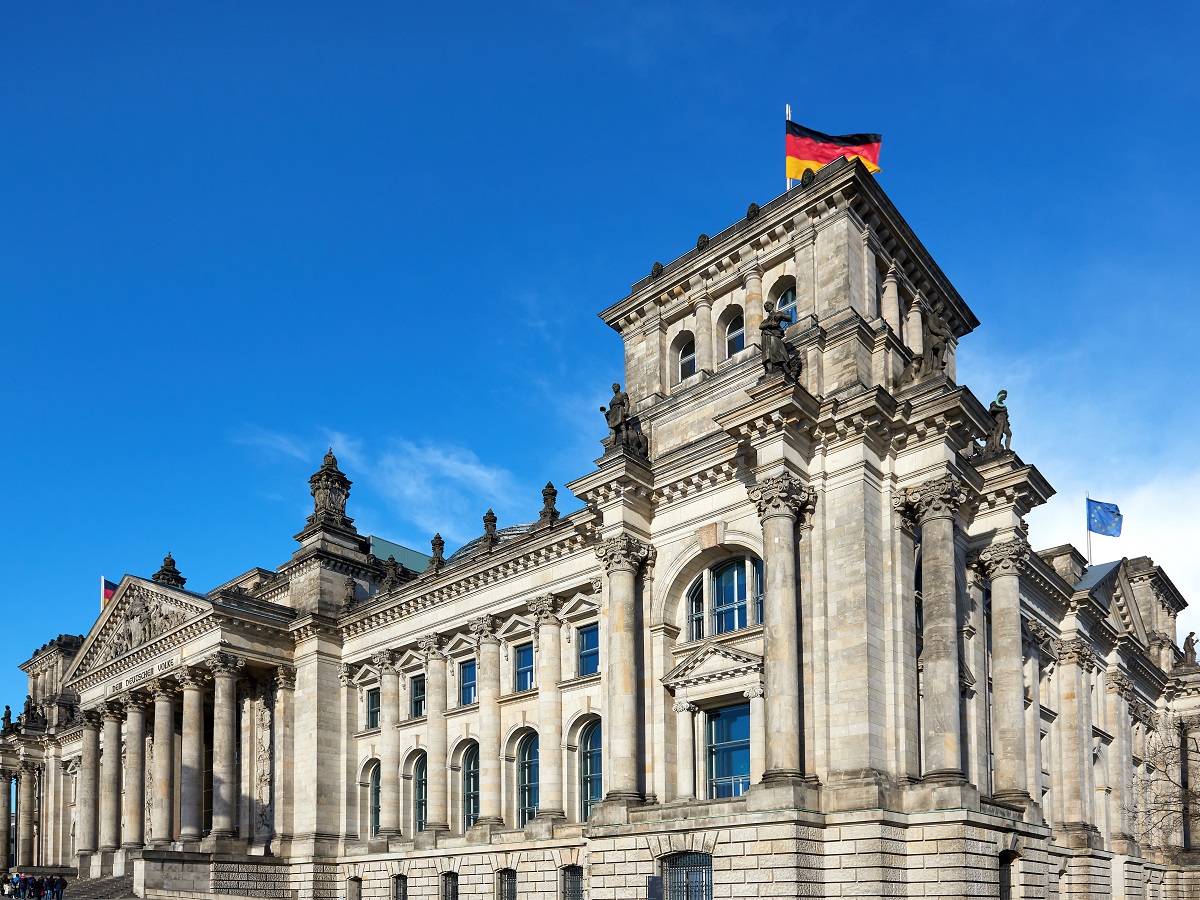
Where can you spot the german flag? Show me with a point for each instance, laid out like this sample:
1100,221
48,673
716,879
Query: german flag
808,149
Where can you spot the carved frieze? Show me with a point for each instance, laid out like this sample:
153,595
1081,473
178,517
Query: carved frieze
143,617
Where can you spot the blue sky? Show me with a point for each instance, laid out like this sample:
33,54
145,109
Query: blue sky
233,234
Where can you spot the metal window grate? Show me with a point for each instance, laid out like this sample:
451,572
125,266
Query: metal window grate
506,884
688,876
449,886
400,887
572,883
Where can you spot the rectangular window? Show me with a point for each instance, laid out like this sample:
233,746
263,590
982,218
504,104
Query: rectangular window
506,884
466,683
729,597
373,708
523,676
728,738
589,650
417,688
400,887
572,883
449,886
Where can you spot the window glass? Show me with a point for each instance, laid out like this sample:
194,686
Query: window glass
688,876
729,751
696,611
417,688
373,708
470,770
375,800
757,568
735,336
687,360
506,884
466,683
527,779
420,793
400,887
449,886
589,650
523,659
590,770
729,596
787,304
572,882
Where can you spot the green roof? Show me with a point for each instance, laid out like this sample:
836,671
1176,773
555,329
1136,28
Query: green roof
410,559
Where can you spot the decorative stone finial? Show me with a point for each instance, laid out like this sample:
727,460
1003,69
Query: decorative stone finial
168,574
548,515
752,212
656,270
330,489
437,561
490,539
702,242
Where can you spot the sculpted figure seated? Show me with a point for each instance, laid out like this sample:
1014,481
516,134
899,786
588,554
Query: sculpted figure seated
776,354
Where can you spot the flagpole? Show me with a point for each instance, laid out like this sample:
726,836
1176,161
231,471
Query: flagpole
1087,525
787,117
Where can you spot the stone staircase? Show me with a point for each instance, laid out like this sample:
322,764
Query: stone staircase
116,887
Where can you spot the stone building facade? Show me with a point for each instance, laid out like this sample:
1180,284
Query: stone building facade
794,643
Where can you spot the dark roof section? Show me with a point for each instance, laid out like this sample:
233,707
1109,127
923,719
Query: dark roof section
1096,574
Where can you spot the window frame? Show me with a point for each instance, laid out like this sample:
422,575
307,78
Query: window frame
448,886
571,882
421,793
738,335
399,887
591,654
519,669
463,683
687,359
506,884
700,610
738,783
528,778
591,768
781,305
677,872
374,799
373,707
470,786
416,696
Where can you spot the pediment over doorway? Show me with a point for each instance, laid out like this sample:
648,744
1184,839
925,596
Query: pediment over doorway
712,662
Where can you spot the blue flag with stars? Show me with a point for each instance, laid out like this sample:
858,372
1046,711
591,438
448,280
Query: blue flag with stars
1104,518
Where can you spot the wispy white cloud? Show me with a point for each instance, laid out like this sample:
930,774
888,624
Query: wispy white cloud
273,442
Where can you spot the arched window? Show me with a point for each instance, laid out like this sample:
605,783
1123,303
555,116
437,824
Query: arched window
400,887
687,360
730,592
374,800
1008,872
420,793
506,884
688,876
590,770
735,336
449,886
527,779
572,883
787,304
470,786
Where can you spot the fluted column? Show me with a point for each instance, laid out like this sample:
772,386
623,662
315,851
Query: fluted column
87,790
224,668
191,773
1002,563
6,780
110,780
135,772
488,688
162,818
389,744
704,334
622,557
685,750
891,300
550,766
781,501
26,781
435,722
935,505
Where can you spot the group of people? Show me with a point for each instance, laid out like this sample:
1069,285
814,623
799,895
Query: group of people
35,887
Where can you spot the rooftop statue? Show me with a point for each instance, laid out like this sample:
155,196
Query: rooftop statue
937,340
1189,650
1000,438
623,431
776,354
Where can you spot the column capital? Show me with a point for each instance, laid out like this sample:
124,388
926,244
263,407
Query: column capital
623,552
133,702
1004,558
1120,683
483,630
783,495
384,661
223,663
1076,651
543,609
189,677
754,692
90,719
752,270
28,767
7,774
285,678
430,647
161,689
938,498
683,706
113,712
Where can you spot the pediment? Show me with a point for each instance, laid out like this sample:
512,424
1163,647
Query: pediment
139,613
1125,608
579,607
712,662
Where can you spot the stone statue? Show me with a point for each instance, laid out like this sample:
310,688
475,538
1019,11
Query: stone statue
437,561
776,354
330,489
7,721
623,431
1189,650
937,340
1000,438
392,572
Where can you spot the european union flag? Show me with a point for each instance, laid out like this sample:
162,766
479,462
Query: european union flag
1104,518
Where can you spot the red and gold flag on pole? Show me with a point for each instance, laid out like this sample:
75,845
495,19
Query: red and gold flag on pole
808,149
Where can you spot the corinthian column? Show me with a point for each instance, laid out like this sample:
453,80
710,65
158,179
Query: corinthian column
781,501
86,789
622,557
435,721
6,779
224,668
488,686
935,504
191,786
162,810
110,780
26,779
135,772
389,741
1002,564
550,768
685,750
